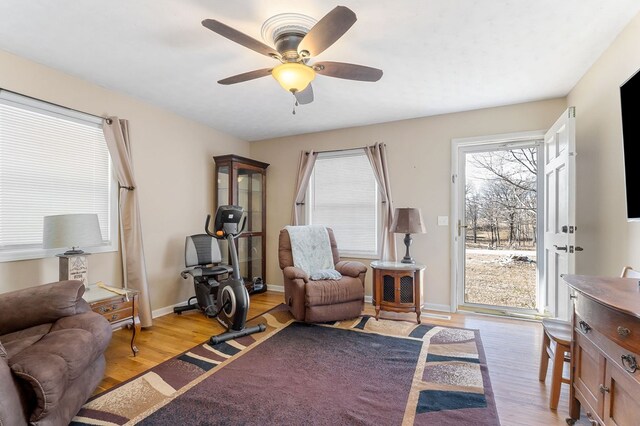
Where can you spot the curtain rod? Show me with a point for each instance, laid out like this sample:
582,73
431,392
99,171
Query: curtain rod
54,104
341,150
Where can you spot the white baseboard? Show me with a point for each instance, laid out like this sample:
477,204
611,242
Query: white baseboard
280,289
166,310
436,307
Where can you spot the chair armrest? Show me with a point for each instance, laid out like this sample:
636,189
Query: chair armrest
40,305
12,407
351,268
293,273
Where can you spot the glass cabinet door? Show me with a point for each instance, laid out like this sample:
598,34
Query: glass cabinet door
222,197
250,257
241,181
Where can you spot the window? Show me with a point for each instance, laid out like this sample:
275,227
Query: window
52,161
343,195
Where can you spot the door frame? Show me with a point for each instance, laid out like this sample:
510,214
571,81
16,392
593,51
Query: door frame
480,144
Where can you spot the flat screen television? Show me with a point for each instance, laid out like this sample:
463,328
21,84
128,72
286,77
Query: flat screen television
630,106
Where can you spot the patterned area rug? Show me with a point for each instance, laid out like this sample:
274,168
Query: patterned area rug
360,371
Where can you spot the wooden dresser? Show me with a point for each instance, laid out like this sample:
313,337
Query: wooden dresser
605,375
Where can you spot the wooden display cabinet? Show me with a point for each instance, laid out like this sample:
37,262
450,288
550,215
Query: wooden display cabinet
242,182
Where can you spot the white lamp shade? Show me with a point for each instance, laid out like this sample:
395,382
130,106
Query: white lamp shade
71,230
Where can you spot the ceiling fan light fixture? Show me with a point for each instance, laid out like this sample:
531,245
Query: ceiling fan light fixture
293,76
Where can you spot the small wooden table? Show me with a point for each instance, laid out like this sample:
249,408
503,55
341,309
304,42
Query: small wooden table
397,287
119,309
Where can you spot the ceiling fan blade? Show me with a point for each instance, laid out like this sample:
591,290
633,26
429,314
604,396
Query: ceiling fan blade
246,76
348,71
329,29
306,96
240,38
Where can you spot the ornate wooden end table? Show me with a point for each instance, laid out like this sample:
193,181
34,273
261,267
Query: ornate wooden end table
121,310
397,287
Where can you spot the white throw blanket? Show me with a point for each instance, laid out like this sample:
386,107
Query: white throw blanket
310,247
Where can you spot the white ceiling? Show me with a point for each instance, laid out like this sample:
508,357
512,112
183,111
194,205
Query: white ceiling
438,56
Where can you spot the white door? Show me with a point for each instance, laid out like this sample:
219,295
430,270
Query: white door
559,213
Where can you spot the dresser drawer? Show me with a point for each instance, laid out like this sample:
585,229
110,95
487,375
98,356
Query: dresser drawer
615,325
615,354
111,305
119,315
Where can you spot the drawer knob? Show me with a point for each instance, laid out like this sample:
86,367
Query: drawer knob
623,331
629,363
584,327
591,419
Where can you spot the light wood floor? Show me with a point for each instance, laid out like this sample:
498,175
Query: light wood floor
512,348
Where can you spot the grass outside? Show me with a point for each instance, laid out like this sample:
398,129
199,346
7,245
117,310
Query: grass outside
501,278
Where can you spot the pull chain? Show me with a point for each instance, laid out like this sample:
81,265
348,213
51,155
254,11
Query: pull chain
295,104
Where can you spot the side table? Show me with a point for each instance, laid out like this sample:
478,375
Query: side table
397,287
119,309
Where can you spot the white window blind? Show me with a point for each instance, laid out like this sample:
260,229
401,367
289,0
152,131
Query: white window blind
52,161
343,195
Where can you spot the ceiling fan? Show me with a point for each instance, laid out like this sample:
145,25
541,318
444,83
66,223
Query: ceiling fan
295,43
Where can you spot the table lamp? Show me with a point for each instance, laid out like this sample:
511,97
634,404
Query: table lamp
407,221
75,231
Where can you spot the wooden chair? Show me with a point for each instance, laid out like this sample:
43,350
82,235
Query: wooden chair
559,332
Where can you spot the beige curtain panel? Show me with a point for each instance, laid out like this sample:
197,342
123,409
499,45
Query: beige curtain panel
377,155
305,167
134,269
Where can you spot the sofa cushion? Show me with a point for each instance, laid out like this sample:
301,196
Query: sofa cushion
329,291
51,363
92,322
53,301
17,341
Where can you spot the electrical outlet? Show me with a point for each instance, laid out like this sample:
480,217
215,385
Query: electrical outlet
443,220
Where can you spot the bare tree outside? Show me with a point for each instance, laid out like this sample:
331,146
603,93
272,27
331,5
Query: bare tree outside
501,206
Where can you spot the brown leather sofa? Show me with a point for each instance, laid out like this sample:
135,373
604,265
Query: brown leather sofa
326,300
51,353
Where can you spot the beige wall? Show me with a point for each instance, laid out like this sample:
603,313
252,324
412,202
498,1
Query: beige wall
419,165
174,172
608,240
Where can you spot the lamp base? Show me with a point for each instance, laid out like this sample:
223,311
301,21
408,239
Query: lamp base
74,267
407,257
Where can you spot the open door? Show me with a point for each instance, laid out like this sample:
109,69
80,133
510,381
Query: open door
559,214
497,182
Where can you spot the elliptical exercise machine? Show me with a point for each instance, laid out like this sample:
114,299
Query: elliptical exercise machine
232,302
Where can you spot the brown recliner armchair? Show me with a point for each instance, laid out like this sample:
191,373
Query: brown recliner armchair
51,353
325,300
